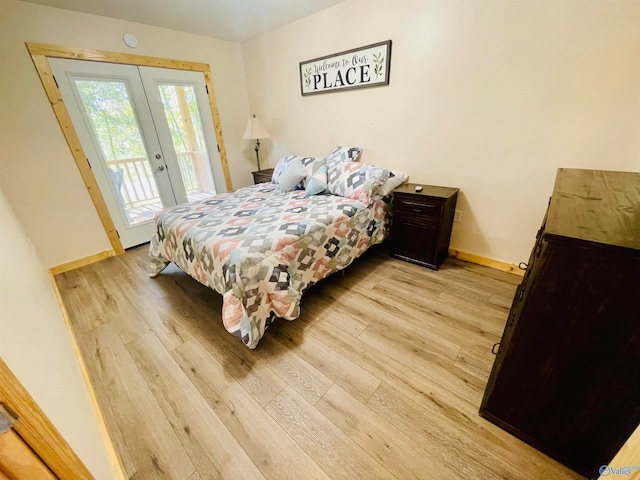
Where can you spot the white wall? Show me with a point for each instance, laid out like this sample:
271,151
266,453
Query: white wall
491,96
35,344
37,172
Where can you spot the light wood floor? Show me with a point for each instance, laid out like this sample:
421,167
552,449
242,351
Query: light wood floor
381,377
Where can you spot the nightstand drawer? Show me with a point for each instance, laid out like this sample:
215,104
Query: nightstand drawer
415,239
418,206
421,224
414,219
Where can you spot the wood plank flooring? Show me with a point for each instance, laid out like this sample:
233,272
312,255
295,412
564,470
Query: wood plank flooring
381,377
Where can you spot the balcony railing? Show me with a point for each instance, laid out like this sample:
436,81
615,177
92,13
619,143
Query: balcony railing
195,172
137,187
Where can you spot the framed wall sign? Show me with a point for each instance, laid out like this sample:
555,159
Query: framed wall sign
357,68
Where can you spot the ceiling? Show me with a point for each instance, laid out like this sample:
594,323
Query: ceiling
233,20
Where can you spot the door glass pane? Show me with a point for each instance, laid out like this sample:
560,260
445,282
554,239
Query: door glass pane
113,119
183,117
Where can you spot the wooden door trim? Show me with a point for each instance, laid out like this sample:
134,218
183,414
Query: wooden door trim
37,431
81,262
40,52
20,461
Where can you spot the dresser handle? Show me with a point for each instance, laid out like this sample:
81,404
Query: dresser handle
538,249
522,266
493,349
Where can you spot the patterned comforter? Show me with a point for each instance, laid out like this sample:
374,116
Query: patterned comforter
261,248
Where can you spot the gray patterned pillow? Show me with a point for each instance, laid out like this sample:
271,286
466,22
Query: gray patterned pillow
338,156
358,181
344,154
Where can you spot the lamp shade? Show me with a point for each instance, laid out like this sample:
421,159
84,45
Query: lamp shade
255,130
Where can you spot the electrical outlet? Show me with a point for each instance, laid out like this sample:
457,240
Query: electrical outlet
457,217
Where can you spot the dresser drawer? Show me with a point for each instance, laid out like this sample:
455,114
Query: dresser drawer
416,205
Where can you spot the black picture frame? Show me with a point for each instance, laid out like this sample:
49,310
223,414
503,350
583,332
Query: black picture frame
310,72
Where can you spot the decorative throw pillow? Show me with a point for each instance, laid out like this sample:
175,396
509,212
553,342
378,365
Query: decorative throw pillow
310,164
338,156
344,154
358,181
317,182
281,165
292,175
396,178
312,167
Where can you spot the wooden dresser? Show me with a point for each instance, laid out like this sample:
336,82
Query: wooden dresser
422,223
566,378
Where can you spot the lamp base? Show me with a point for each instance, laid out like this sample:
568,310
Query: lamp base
258,156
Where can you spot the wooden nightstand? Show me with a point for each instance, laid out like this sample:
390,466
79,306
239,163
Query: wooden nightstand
422,223
262,176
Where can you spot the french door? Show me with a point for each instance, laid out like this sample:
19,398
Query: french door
148,135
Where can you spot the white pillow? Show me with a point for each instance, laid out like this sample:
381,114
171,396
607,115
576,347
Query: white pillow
396,179
281,165
292,175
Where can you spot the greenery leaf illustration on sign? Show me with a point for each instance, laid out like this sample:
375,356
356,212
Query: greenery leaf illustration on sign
378,61
307,77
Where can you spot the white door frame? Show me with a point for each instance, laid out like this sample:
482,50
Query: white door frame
67,72
41,52
151,79
143,93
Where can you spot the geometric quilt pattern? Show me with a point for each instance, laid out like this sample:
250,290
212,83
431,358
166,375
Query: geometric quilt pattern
261,248
358,181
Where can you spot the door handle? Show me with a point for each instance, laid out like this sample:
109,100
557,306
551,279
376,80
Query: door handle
161,167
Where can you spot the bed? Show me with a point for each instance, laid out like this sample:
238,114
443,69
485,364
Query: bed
261,248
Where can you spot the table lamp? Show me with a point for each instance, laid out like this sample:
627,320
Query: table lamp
255,131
